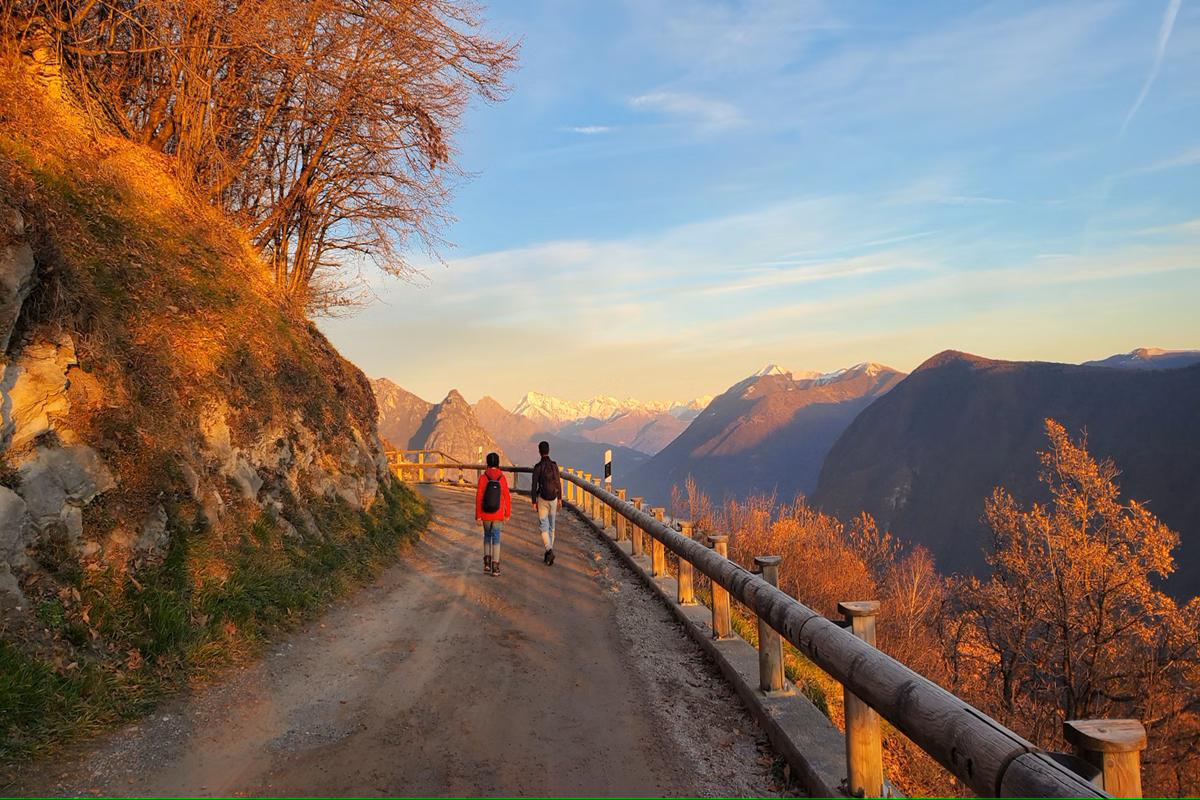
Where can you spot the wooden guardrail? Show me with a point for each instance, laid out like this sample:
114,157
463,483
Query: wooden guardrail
986,756
419,468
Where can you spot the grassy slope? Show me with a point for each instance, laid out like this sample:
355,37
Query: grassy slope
169,311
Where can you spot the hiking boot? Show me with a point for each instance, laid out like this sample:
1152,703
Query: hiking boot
550,557
487,563
495,568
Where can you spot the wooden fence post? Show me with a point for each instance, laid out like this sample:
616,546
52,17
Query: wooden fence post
589,499
864,753
770,645
620,518
686,594
658,553
1113,745
635,531
420,470
722,629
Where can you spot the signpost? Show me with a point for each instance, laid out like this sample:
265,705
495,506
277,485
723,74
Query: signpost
607,486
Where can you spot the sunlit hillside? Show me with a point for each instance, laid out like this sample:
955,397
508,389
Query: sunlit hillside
186,461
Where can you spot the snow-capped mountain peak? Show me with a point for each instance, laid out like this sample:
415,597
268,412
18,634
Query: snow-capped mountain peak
554,411
868,368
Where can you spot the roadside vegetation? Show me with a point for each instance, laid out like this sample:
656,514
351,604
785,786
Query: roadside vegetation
115,641
1069,623
169,311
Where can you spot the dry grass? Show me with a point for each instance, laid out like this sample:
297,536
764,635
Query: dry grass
170,313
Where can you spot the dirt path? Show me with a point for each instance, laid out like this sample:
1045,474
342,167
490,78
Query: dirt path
442,680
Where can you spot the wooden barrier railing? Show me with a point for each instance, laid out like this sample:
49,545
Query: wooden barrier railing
419,467
986,756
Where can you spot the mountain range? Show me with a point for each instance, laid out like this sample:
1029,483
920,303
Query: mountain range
550,413
923,458
920,453
767,433
406,422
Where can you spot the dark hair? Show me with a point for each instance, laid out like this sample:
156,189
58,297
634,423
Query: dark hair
544,448
493,459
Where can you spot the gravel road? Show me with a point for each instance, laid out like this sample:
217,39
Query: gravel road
441,680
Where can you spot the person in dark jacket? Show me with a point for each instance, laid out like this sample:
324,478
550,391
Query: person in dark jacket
492,520
547,498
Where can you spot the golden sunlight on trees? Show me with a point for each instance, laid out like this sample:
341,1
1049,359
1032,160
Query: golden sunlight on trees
324,126
1070,626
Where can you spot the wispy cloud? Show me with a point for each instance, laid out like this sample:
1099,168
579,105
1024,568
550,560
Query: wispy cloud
1164,36
690,107
589,130
1184,159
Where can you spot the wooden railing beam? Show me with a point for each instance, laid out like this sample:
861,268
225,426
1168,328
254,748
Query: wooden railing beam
986,756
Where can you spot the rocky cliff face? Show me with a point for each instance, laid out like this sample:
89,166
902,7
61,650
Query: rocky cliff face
451,427
400,413
150,378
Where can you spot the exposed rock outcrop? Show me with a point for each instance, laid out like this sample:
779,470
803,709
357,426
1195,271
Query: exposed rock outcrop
146,359
33,389
400,413
452,428
16,278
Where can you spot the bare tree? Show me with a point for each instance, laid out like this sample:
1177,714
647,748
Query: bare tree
325,126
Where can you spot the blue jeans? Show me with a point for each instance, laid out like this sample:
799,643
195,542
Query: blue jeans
491,531
546,510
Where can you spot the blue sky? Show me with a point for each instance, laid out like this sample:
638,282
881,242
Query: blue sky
681,191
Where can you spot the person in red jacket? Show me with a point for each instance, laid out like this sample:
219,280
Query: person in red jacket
492,508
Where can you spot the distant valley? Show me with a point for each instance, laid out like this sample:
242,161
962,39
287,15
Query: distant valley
919,452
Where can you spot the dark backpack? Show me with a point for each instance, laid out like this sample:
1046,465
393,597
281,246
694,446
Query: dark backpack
491,496
549,486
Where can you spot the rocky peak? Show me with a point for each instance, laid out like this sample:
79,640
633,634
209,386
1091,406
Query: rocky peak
452,427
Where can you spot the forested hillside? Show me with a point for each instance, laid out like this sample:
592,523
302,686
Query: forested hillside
924,458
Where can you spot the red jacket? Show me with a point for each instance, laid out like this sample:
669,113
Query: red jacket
505,504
